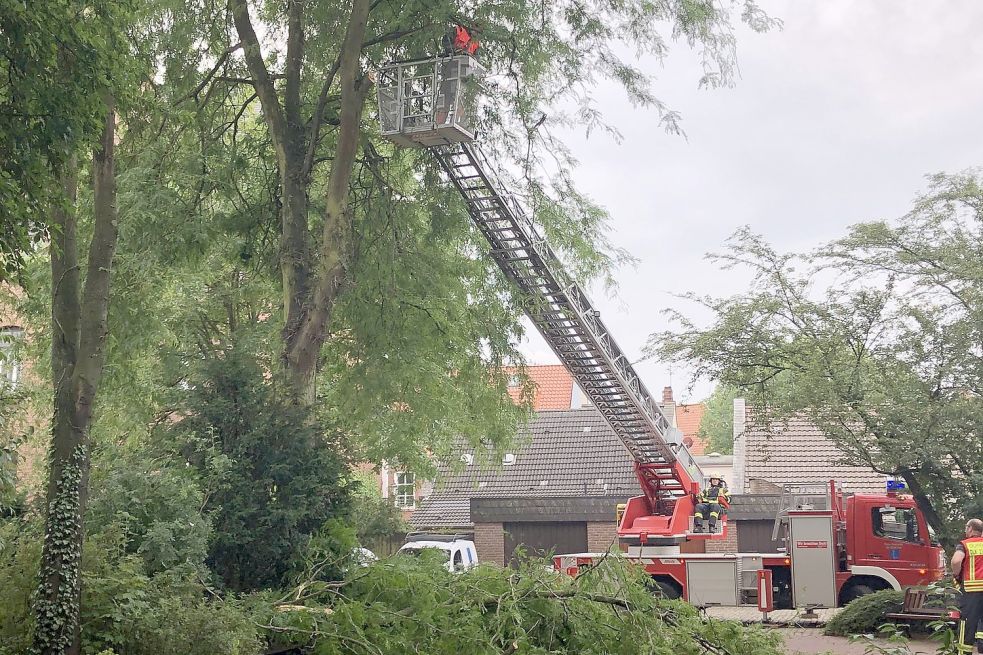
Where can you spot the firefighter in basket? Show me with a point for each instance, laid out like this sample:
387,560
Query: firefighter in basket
710,504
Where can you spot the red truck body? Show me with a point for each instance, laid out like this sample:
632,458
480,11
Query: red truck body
855,544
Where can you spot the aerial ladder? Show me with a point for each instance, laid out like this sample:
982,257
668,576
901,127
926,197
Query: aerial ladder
430,104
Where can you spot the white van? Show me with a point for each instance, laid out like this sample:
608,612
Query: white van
458,552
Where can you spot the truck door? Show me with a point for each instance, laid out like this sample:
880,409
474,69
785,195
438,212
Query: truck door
893,541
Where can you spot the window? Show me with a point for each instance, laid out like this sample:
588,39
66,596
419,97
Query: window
891,523
405,490
458,561
9,362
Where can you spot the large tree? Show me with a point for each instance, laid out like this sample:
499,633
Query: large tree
309,68
876,337
63,68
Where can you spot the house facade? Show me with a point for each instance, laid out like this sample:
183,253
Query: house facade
768,456
559,491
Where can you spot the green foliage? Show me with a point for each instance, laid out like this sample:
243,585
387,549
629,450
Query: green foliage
20,554
881,358
866,614
57,60
376,519
124,610
413,605
174,626
272,477
154,503
717,425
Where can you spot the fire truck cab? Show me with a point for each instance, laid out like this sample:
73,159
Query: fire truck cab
837,547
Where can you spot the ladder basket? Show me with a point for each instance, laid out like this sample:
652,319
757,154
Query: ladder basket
429,102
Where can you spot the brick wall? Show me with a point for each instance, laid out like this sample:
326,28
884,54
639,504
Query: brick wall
489,540
726,544
601,536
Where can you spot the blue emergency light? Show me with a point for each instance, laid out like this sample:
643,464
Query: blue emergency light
896,485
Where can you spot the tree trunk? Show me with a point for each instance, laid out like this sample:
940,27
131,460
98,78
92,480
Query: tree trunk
925,504
309,295
78,328
335,251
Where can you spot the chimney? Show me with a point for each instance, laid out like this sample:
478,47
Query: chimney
667,395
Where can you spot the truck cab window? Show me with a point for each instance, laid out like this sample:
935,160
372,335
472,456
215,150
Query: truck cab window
458,561
898,524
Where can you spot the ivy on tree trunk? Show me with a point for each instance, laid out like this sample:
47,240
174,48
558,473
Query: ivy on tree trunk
79,324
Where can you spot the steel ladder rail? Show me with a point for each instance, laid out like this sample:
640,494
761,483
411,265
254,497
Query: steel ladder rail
562,312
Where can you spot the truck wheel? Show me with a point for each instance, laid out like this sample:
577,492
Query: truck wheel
855,591
664,589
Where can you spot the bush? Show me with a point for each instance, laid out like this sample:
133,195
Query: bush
866,614
124,610
20,556
273,477
154,503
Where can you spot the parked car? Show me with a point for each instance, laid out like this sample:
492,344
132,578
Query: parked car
457,551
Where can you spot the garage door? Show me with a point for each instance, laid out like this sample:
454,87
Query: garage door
539,539
755,537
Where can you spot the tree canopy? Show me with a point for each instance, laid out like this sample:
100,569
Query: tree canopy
876,337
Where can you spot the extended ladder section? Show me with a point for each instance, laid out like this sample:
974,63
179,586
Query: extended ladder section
572,327
429,103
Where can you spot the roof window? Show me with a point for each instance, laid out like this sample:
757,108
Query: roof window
508,459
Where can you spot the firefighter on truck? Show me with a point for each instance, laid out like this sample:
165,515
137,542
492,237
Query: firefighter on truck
710,503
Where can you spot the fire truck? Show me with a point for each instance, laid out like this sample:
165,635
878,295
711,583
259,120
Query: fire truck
838,547
832,554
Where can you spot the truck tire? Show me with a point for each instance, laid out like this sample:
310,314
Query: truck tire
855,590
664,589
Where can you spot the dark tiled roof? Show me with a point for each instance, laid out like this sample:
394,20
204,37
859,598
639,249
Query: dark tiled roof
754,506
797,452
565,453
439,511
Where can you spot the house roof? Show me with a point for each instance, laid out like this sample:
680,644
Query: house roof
554,387
565,453
688,419
794,452
754,507
443,511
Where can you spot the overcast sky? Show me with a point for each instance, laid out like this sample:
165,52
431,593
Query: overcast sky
835,119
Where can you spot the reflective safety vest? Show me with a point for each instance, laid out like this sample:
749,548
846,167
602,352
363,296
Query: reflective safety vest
971,573
715,495
463,41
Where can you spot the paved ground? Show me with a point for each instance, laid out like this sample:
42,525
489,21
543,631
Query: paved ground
804,636
810,641
777,617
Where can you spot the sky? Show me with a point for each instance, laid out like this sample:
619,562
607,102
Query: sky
834,120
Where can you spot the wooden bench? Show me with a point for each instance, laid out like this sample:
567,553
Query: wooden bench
913,608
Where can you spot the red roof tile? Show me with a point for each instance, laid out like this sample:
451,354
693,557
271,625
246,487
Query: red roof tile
688,418
554,387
